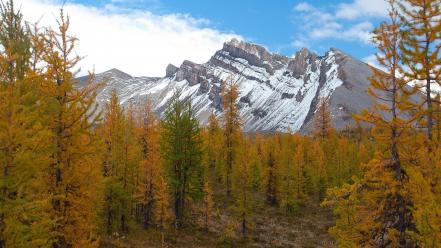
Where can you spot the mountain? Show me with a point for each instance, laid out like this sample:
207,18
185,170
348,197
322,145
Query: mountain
277,93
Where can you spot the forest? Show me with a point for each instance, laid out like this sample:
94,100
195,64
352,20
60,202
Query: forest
73,175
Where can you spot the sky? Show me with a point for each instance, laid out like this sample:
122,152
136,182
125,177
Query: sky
141,37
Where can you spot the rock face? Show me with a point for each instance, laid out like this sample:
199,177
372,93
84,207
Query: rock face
277,93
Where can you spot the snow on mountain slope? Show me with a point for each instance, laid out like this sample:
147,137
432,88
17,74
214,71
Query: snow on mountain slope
277,93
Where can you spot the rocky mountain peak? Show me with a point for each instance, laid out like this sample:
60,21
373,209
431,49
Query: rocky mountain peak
189,71
116,73
301,61
276,93
235,47
252,53
170,70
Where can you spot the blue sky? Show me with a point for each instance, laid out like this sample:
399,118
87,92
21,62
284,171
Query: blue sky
274,24
282,26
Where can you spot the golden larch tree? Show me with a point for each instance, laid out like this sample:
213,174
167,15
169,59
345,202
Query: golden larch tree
74,172
322,124
420,50
150,165
381,198
231,125
24,221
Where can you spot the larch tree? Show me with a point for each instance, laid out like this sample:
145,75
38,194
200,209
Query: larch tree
287,173
231,126
208,206
74,171
271,174
383,217
299,173
24,221
421,45
116,197
150,168
214,135
132,158
437,119
322,123
420,48
162,211
243,186
214,152
318,171
182,154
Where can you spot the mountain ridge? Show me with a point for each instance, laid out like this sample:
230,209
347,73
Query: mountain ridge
276,92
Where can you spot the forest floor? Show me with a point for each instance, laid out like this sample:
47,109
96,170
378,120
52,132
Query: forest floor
269,227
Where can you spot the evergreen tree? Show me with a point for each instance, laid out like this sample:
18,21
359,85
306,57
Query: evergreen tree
181,150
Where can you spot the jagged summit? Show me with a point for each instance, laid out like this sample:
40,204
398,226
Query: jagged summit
234,46
277,93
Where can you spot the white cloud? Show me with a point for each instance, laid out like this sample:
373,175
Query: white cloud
358,32
303,7
362,8
361,32
134,41
299,43
326,30
372,61
322,23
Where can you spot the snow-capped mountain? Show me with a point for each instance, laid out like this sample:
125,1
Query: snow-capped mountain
277,93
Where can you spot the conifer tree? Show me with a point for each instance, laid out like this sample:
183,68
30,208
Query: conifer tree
381,197
421,52
271,188
257,163
437,118
181,150
149,167
213,136
243,186
299,171
421,55
213,152
319,173
162,212
287,173
208,205
74,175
24,221
132,158
231,125
116,202
322,119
